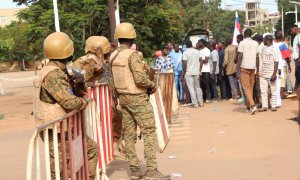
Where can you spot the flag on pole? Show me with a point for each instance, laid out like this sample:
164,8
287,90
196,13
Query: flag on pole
237,29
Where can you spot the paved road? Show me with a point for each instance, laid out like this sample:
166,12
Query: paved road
217,142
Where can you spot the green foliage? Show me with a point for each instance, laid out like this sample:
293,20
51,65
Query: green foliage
13,43
156,21
223,25
160,22
78,18
6,47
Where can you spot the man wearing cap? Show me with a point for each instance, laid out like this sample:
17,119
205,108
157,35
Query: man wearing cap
54,96
131,84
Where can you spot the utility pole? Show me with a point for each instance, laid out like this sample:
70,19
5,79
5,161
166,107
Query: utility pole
114,18
282,20
296,14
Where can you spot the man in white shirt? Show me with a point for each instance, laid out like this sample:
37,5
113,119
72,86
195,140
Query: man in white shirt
205,69
191,61
283,54
248,61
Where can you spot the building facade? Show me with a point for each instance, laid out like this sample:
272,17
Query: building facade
256,16
8,15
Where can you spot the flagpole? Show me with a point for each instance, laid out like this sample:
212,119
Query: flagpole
56,18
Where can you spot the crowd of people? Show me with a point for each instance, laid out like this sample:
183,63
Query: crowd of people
255,71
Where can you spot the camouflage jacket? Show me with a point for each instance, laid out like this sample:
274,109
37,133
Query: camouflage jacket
56,89
89,64
137,67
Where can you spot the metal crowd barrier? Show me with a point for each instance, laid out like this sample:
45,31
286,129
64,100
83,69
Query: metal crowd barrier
95,121
99,125
70,131
166,84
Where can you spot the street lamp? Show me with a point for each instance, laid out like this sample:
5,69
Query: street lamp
296,13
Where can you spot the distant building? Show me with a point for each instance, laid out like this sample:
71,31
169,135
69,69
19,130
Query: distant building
8,15
254,15
274,18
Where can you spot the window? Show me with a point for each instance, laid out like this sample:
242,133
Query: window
3,19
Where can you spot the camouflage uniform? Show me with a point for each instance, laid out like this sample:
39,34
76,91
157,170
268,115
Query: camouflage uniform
56,89
88,64
103,76
117,119
137,110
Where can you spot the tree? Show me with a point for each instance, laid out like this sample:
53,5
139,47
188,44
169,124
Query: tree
194,14
223,24
13,42
83,18
78,18
161,22
289,19
209,15
6,47
156,22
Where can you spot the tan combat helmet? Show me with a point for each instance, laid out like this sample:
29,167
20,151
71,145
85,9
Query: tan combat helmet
94,43
58,45
125,30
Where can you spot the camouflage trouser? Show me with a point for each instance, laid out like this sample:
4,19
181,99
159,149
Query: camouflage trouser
92,151
137,110
117,124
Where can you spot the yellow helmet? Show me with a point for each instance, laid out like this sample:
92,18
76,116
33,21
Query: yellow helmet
94,43
58,45
125,30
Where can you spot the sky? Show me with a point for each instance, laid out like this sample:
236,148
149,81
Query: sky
266,4
271,5
8,4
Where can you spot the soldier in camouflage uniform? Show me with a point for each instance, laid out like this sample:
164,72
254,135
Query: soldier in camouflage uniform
132,84
96,68
55,94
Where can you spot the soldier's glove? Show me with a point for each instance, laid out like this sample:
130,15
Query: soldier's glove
152,90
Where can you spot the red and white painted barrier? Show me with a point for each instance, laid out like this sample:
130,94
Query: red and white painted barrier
70,130
162,128
99,124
